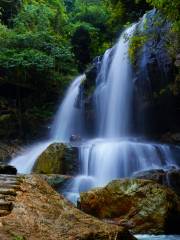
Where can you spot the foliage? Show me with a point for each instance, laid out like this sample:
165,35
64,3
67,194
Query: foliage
136,43
37,42
171,9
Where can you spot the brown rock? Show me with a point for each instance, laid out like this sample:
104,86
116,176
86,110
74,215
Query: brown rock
142,205
40,213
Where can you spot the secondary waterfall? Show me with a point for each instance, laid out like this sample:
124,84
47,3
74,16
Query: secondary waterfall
67,122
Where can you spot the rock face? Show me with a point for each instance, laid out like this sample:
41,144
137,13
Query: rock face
7,169
141,205
37,212
57,159
170,178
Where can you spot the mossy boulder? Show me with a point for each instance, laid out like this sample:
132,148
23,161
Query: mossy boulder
142,205
58,158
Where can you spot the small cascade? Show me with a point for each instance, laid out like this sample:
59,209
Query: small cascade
103,160
25,162
68,121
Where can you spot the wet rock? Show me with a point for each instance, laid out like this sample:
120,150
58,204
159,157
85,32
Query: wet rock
40,213
141,205
58,158
169,178
154,79
7,169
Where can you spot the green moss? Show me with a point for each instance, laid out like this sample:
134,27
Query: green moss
136,43
18,238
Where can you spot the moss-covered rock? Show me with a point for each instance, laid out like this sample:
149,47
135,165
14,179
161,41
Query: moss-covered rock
142,205
58,158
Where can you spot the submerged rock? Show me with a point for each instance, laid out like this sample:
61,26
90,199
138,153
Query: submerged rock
142,205
58,158
38,212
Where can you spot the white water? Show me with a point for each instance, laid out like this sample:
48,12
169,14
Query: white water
68,120
160,237
116,90
25,162
103,160
66,123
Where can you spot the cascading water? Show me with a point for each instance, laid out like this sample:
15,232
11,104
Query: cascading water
114,155
69,119
67,122
118,91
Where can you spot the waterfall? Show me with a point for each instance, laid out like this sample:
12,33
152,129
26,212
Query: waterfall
68,121
114,153
118,90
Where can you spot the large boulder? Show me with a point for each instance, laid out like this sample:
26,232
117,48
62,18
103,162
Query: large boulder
33,210
142,205
58,158
170,178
